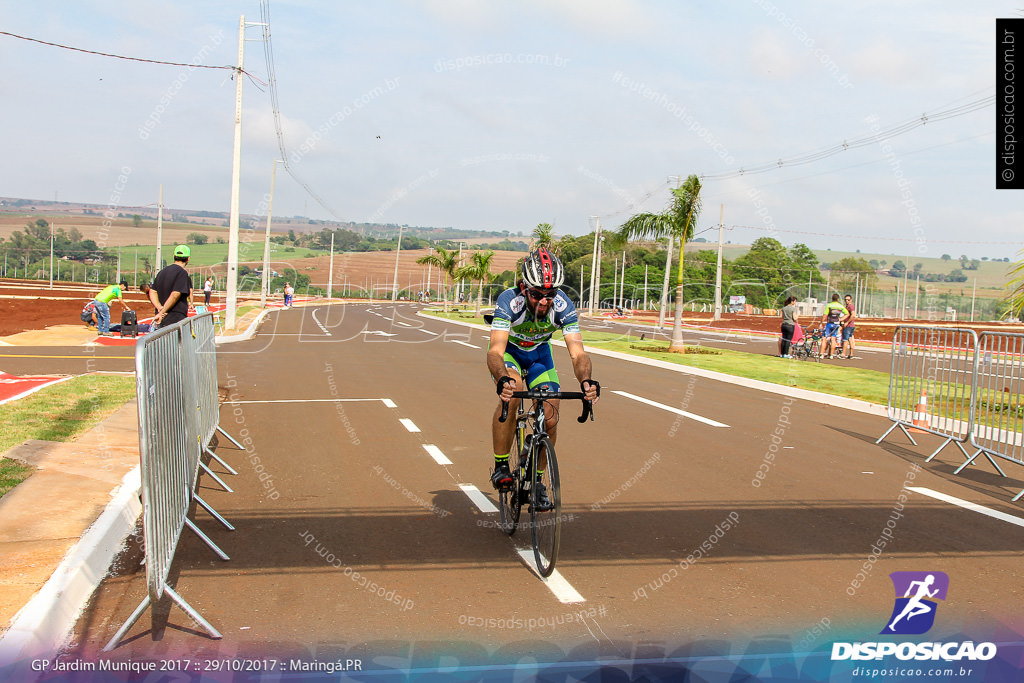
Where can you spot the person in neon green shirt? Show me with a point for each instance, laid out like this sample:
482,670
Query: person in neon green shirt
103,299
834,313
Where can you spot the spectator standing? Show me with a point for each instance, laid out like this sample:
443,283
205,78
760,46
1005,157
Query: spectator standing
789,322
849,326
207,291
289,292
150,293
173,287
103,299
834,312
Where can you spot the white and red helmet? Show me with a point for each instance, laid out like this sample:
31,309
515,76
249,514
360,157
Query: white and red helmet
543,270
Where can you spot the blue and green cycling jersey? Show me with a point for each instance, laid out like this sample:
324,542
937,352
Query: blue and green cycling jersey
528,351
526,332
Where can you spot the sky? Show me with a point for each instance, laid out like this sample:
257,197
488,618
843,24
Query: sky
499,115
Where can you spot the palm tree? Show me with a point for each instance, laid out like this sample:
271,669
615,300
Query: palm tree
478,269
676,222
1015,300
544,236
446,262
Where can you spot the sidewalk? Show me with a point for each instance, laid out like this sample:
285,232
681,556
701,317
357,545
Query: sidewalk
61,528
55,544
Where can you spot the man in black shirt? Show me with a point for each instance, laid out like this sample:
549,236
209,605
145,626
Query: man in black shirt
173,288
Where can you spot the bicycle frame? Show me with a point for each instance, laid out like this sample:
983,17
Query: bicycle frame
534,445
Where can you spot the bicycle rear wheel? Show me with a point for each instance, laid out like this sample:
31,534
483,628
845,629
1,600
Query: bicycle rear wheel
546,524
509,502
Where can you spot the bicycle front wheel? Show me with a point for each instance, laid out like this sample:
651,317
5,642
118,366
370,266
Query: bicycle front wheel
545,519
509,501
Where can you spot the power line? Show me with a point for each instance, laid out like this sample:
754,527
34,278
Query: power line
268,50
898,129
130,59
867,237
643,199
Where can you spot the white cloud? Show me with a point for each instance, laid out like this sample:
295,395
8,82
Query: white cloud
774,55
883,61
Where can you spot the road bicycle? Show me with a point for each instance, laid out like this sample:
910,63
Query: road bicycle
809,347
537,465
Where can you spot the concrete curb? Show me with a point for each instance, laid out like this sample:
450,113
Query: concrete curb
249,333
41,627
793,392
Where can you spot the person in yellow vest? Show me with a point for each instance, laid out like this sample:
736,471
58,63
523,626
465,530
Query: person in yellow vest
103,299
834,313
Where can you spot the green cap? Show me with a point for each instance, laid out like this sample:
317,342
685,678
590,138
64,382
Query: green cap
182,251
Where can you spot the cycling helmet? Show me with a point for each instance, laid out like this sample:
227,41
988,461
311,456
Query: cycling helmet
542,269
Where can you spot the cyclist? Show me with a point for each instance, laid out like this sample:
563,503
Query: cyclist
834,312
525,317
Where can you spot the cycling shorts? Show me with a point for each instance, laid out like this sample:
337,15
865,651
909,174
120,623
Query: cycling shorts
536,366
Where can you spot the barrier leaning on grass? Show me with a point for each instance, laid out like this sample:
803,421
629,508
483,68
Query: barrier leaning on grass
999,422
176,385
961,386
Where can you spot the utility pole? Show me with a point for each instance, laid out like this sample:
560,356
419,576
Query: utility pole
615,282
398,251
236,179
718,269
593,262
159,230
622,283
973,292
51,255
645,287
581,288
265,279
330,271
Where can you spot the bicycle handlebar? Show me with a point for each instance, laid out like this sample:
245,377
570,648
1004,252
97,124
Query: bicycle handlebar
541,395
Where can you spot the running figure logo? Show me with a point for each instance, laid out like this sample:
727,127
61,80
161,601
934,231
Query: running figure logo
914,612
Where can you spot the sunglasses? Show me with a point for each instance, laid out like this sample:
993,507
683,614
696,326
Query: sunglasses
541,294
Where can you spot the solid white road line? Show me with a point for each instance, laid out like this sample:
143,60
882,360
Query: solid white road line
320,324
421,329
456,341
435,453
556,583
670,409
482,502
399,322
967,505
409,424
388,403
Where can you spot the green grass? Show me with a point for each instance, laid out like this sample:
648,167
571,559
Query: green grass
11,474
866,385
58,413
203,255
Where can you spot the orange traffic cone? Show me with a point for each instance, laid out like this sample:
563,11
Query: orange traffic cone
921,417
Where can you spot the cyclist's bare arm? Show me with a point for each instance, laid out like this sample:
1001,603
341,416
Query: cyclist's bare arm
580,364
496,361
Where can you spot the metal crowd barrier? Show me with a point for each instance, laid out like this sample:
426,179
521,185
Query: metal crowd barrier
999,415
931,383
176,386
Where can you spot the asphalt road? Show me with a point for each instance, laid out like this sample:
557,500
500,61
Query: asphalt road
359,543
